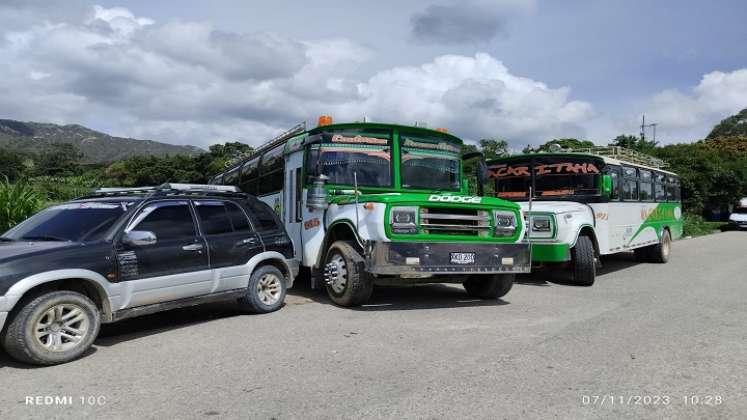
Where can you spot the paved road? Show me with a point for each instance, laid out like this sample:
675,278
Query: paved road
663,331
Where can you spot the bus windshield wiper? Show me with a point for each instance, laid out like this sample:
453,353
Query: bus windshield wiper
44,238
4,239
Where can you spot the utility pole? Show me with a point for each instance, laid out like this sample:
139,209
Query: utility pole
644,126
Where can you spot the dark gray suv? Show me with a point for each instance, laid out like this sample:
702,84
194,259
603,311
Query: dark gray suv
120,253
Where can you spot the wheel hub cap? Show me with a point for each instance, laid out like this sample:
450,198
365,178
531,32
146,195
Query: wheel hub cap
62,327
336,273
268,289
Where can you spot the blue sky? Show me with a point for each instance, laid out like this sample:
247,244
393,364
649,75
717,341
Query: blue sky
526,70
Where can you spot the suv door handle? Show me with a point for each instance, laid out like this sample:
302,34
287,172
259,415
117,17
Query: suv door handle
248,241
193,247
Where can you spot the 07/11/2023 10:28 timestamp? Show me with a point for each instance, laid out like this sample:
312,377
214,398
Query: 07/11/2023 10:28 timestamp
651,400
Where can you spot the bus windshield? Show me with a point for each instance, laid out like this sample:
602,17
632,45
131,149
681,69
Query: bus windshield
550,176
348,155
429,163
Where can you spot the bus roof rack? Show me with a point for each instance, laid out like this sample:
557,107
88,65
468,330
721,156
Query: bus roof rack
624,154
276,141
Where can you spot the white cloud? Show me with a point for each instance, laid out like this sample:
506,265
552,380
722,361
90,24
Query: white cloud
188,82
685,116
475,97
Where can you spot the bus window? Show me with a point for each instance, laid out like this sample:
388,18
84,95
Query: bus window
660,193
343,153
645,185
671,189
630,184
231,177
250,176
271,171
561,176
614,173
512,179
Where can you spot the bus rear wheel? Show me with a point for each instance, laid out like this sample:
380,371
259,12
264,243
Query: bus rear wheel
584,264
489,286
347,282
659,253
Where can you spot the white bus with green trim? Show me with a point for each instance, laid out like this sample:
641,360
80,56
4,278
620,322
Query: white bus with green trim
370,203
587,203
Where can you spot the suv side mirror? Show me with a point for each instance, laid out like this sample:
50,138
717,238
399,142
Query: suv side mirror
139,238
606,185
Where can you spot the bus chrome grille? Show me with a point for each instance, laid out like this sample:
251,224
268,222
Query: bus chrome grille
454,221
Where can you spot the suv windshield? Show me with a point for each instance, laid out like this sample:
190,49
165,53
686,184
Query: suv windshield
429,163
345,153
81,221
553,177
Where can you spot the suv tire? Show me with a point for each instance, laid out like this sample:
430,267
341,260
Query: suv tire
350,284
53,328
265,292
584,262
493,286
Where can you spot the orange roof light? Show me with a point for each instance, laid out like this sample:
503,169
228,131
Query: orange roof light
442,130
324,120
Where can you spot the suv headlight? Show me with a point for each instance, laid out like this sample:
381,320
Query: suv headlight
541,225
504,223
404,219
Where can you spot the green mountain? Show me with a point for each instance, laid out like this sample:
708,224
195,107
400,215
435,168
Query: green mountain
97,147
736,125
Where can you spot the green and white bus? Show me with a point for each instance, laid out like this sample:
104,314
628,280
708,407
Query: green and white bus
592,202
370,203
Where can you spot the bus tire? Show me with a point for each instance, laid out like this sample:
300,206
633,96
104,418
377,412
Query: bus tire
347,281
584,262
490,286
659,253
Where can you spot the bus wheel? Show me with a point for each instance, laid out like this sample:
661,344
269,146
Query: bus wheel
659,253
584,264
489,286
347,282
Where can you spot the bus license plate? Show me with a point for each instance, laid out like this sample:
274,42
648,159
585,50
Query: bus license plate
462,258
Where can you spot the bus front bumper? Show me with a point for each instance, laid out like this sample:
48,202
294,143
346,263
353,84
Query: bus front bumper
398,258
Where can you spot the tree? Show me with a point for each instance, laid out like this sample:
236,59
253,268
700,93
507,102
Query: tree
564,143
493,149
61,159
736,125
634,143
11,165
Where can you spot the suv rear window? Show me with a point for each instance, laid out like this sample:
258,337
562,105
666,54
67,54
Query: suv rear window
217,217
213,217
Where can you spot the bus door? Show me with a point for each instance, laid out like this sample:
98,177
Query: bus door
615,212
293,200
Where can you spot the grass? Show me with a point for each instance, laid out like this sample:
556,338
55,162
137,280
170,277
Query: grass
17,202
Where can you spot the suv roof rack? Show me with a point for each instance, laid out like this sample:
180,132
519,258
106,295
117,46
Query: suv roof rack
624,154
165,189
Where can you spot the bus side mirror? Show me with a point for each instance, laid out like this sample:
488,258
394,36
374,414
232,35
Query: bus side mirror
317,197
606,185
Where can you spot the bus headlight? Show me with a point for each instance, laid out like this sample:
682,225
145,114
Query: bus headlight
505,223
541,225
404,219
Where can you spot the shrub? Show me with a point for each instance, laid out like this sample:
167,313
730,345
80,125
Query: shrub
17,202
57,189
695,225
